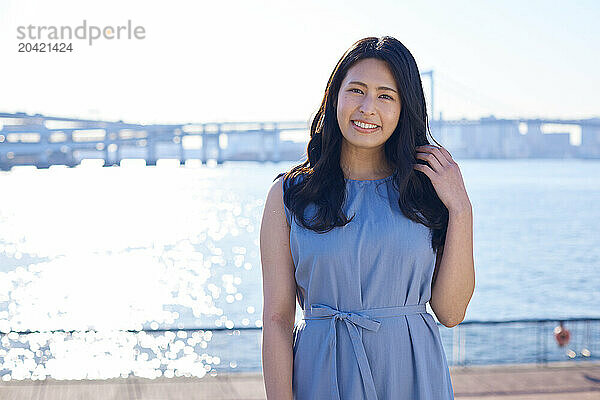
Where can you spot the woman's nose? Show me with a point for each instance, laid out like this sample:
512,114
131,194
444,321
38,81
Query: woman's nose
367,106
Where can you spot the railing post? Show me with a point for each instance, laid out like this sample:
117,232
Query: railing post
455,349
463,346
538,344
545,353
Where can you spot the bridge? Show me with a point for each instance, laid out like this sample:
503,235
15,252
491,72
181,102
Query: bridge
43,141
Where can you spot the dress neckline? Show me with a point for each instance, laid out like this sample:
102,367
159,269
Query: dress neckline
387,178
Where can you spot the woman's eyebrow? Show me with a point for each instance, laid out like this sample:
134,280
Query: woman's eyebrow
365,85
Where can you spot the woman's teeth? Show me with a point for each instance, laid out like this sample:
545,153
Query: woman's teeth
364,125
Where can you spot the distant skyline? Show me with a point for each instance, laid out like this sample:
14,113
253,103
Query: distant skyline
270,59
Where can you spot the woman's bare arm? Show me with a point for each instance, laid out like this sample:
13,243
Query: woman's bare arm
279,297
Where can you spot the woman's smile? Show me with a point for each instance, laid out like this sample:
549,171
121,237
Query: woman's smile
364,127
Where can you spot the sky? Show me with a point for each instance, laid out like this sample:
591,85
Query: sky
269,60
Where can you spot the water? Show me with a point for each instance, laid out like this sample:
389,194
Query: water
174,247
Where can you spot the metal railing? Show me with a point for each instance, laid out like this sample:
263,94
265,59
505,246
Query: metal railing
471,342
521,341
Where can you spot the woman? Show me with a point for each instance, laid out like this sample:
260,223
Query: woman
357,233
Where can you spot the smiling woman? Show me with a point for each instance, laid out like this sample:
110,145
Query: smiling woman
367,104
356,234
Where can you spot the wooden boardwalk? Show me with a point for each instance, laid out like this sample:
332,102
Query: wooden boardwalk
556,381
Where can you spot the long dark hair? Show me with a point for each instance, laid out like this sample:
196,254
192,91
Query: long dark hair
323,181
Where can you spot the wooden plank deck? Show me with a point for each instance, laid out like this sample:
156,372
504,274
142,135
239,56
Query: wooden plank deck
556,381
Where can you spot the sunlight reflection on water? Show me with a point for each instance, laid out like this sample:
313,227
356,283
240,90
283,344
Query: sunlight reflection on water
111,249
151,248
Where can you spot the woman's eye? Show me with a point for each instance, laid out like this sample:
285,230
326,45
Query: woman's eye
388,96
356,89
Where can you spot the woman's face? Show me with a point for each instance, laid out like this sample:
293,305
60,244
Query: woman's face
368,95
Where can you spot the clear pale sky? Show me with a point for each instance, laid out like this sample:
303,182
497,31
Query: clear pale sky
248,60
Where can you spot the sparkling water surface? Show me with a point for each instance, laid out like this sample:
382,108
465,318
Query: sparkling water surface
169,247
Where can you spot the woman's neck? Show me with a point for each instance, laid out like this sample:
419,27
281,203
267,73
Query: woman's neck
366,171
364,163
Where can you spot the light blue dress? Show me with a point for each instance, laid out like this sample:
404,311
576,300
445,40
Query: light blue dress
365,332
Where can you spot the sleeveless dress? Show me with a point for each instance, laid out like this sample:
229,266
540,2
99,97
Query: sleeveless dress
365,331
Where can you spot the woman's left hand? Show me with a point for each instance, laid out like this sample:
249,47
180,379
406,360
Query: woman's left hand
445,176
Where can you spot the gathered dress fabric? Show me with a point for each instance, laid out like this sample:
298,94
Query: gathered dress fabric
365,331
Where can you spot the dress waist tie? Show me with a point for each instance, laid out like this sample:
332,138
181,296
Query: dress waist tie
365,319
